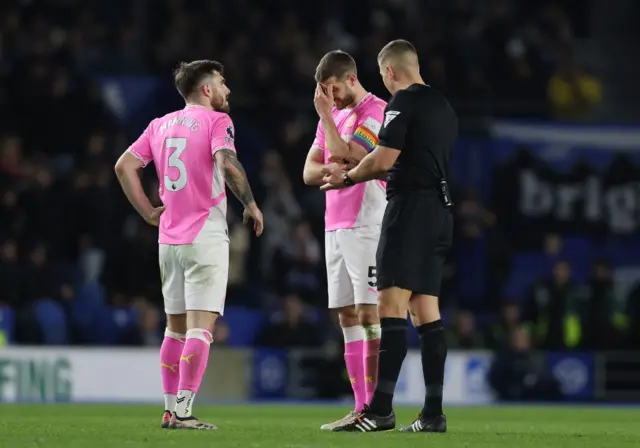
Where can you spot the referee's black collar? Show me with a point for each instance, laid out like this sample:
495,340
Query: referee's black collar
418,85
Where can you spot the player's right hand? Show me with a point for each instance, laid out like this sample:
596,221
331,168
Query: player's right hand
342,163
253,212
154,217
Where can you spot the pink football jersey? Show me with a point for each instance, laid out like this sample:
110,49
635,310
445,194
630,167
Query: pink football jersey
362,204
181,145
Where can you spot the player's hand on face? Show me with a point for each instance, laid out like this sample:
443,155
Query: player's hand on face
323,101
154,216
253,212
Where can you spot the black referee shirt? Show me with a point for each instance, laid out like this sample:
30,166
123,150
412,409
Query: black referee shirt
421,123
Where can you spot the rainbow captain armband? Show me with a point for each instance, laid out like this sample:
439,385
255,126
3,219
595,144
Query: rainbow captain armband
366,138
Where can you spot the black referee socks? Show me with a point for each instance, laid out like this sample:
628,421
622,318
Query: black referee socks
393,349
433,348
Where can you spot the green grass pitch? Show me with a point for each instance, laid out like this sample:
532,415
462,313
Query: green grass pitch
282,426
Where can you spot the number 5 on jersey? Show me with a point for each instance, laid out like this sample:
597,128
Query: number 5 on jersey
176,147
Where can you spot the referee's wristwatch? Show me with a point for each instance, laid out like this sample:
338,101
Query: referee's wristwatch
347,180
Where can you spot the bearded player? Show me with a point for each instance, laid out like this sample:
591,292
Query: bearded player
350,118
194,155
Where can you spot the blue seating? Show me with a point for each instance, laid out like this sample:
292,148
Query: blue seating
162,322
53,321
621,253
316,315
7,323
92,293
528,267
114,323
86,311
579,253
471,262
484,319
578,245
244,324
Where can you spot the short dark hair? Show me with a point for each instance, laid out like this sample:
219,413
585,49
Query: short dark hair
397,49
188,75
335,63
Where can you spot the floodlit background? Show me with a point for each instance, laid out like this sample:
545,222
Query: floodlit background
542,282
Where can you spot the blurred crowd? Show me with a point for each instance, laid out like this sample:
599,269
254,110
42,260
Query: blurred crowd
64,222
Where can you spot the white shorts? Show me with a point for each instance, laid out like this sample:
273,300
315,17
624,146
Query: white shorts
351,266
194,276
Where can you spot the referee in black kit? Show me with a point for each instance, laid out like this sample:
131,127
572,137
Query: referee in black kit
416,143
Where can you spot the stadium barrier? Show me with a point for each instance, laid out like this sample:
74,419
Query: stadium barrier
78,375
617,377
61,374
465,377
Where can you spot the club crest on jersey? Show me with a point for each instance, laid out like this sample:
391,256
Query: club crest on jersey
230,132
350,121
389,116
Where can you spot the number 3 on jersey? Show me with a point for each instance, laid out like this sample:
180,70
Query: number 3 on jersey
176,147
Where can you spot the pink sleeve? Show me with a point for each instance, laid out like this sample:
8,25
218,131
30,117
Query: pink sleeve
368,126
141,148
223,135
319,142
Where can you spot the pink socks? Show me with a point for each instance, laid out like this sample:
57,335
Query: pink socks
170,366
193,364
371,354
354,359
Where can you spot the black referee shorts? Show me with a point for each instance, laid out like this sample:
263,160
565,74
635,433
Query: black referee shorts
415,239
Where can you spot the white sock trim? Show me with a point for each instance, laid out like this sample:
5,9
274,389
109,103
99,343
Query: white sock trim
200,333
353,334
372,332
184,403
173,335
170,402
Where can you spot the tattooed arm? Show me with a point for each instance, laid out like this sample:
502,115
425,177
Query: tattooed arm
235,176
236,180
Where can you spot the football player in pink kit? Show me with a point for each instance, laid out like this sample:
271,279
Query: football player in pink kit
194,155
350,119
